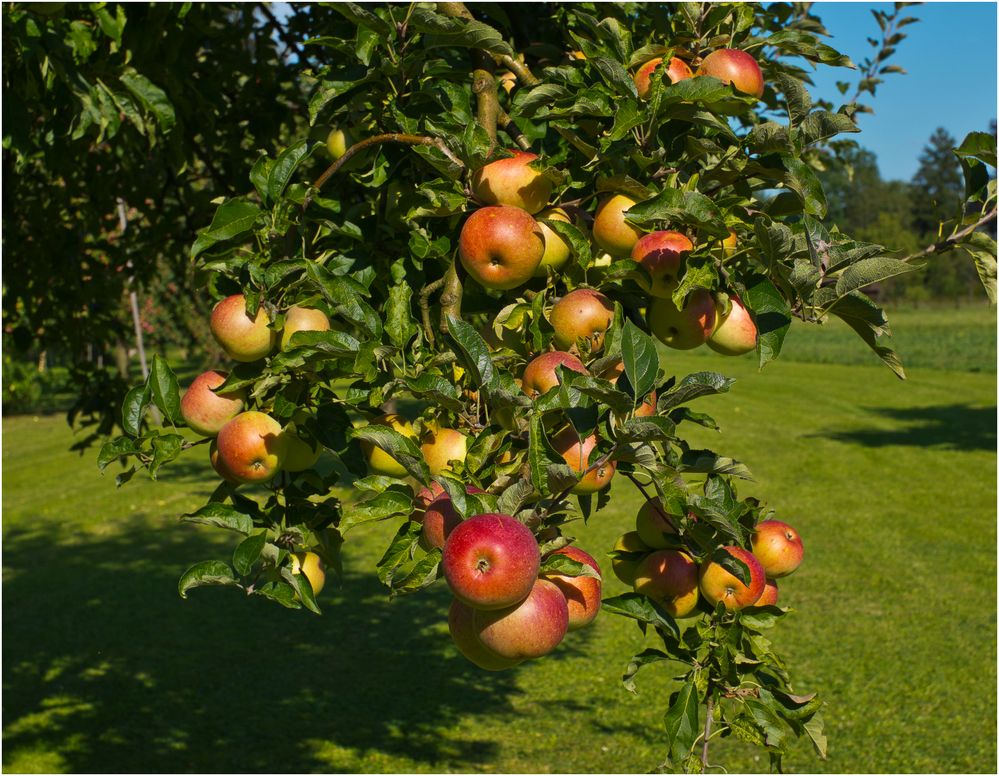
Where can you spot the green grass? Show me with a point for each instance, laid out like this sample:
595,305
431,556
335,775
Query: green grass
892,485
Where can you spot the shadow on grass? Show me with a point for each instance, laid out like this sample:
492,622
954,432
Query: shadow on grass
950,426
106,669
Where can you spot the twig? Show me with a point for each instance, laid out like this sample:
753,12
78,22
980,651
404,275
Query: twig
707,732
513,131
948,243
451,295
425,308
519,69
290,43
391,137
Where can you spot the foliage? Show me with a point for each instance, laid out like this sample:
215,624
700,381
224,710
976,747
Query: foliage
372,241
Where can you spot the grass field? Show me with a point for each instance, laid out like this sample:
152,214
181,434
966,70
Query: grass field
892,485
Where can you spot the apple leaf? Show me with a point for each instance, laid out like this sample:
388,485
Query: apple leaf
639,661
737,567
645,610
682,721
400,550
641,360
802,180
166,448
579,246
284,167
558,564
208,572
436,389
772,315
401,448
301,585
474,352
165,390
247,553
691,387
115,449
280,592
233,218
133,407
221,516
391,502
423,574
399,323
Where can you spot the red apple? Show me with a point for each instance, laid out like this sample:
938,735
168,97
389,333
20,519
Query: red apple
206,411
530,628
623,568
501,247
683,329
577,456
461,626
439,519
718,584
491,561
251,447
218,466
669,577
662,254
610,229
511,181
735,332
770,594
732,66
440,446
678,70
582,314
302,319
655,525
242,338
539,376
778,548
582,594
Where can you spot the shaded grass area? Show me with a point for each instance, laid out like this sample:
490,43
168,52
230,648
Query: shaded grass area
892,485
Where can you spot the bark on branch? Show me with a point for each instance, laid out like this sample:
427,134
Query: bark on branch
391,137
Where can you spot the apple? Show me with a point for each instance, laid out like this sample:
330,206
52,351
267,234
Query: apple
302,319
732,66
624,568
582,594
648,406
491,561
380,462
459,623
730,243
242,338
734,333
530,628
678,70
511,181
501,247
251,447
299,454
770,594
557,251
206,411
440,446
439,518
338,141
778,548
654,525
683,329
576,454
308,563
718,584
582,314
610,229
539,376
218,466
669,577
662,254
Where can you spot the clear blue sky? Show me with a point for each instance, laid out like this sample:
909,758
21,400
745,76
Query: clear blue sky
950,57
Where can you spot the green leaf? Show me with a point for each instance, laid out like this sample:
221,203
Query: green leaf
233,217
675,206
822,125
562,565
133,407
247,553
639,661
650,429
980,145
153,98
814,730
799,102
473,349
645,610
221,516
537,456
401,448
401,548
693,386
436,389
280,592
165,449
388,503
983,251
362,17
114,449
423,574
614,75
737,567
165,389
641,360
682,721
301,585
772,315
346,295
868,271
208,572
449,32
514,497
578,244
399,323
284,167
769,138
801,179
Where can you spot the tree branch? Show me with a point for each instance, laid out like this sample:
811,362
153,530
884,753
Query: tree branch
513,131
950,242
425,293
451,295
391,137
519,69
707,732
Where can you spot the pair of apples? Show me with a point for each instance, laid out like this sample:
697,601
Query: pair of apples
504,610
648,559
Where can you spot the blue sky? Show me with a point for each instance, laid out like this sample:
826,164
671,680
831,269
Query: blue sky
950,56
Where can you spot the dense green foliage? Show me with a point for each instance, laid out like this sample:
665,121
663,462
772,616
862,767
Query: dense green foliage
105,668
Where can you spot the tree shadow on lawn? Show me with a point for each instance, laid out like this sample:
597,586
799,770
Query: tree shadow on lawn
106,669
949,426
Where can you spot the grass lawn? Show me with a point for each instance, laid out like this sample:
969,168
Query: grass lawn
892,485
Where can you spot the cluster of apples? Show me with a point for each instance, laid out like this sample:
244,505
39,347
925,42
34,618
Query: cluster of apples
505,609
250,446
649,559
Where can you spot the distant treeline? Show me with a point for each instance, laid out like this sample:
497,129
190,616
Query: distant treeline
905,216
